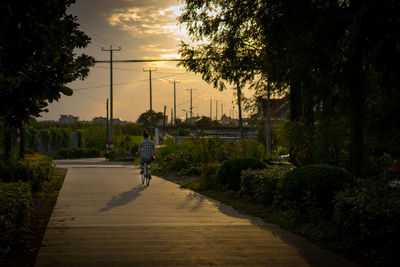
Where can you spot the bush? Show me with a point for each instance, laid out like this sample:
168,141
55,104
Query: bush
173,163
230,171
77,152
15,210
261,185
36,169
367,217
313,185
209,175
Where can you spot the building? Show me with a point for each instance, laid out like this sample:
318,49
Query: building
99,120
68,119
231,133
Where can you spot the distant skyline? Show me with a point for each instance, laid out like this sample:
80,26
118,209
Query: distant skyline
143,30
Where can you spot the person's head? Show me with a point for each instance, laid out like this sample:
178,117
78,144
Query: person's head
145,134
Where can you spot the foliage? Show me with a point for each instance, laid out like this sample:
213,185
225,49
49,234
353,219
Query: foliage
313,187
75,153
367,218
36,60
230,171
150,117
298,137
173,163
331,145
35,169
15,209
251,148
206,122
261,185
339,56
209,175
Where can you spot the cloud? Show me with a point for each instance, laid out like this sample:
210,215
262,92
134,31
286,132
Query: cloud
145,21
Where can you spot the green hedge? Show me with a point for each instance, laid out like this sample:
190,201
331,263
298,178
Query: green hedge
74,153
367,217
35,169
230,171
261,185
209,175
15,210
313,185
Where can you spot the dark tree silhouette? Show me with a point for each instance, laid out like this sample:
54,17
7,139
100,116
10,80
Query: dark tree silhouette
37,59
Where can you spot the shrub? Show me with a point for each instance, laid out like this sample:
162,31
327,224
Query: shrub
367,217
251,148
72,153
209,175
36,169
15,210
313,186
230,170
261,185
173,163
41,168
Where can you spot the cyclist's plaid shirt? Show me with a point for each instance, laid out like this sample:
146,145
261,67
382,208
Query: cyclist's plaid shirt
146,148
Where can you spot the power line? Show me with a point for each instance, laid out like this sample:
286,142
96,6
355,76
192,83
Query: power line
91,97
193,98
101,67
124,83
98,36
140,60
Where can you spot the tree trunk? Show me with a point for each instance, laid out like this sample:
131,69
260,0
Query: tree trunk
355,83
239,95
7,139
22,141
295,113
309,119
295,102
356,117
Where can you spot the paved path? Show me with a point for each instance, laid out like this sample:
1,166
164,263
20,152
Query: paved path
105,217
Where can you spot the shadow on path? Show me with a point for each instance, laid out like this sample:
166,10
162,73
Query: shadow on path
123,198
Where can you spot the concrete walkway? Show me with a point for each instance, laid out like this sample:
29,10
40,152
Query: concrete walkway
105,217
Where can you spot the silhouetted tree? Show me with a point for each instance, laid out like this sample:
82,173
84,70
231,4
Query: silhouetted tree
337,52
37,59
150,117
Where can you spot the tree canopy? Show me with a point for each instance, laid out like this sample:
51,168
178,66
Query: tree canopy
339,53
38,57
150,117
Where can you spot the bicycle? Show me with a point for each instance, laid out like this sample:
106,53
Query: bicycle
146,175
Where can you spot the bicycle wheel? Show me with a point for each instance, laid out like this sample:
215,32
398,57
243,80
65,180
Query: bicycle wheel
148,177
143,173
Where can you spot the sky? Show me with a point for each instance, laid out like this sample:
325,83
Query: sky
144,29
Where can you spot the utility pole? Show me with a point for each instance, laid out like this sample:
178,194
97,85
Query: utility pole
174,82
191,106
211,108
268,130
111,50
172,116
216,110
186,113
150,70
239,102
165,113
107,137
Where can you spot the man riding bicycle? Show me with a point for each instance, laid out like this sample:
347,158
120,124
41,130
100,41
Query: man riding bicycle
146,149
